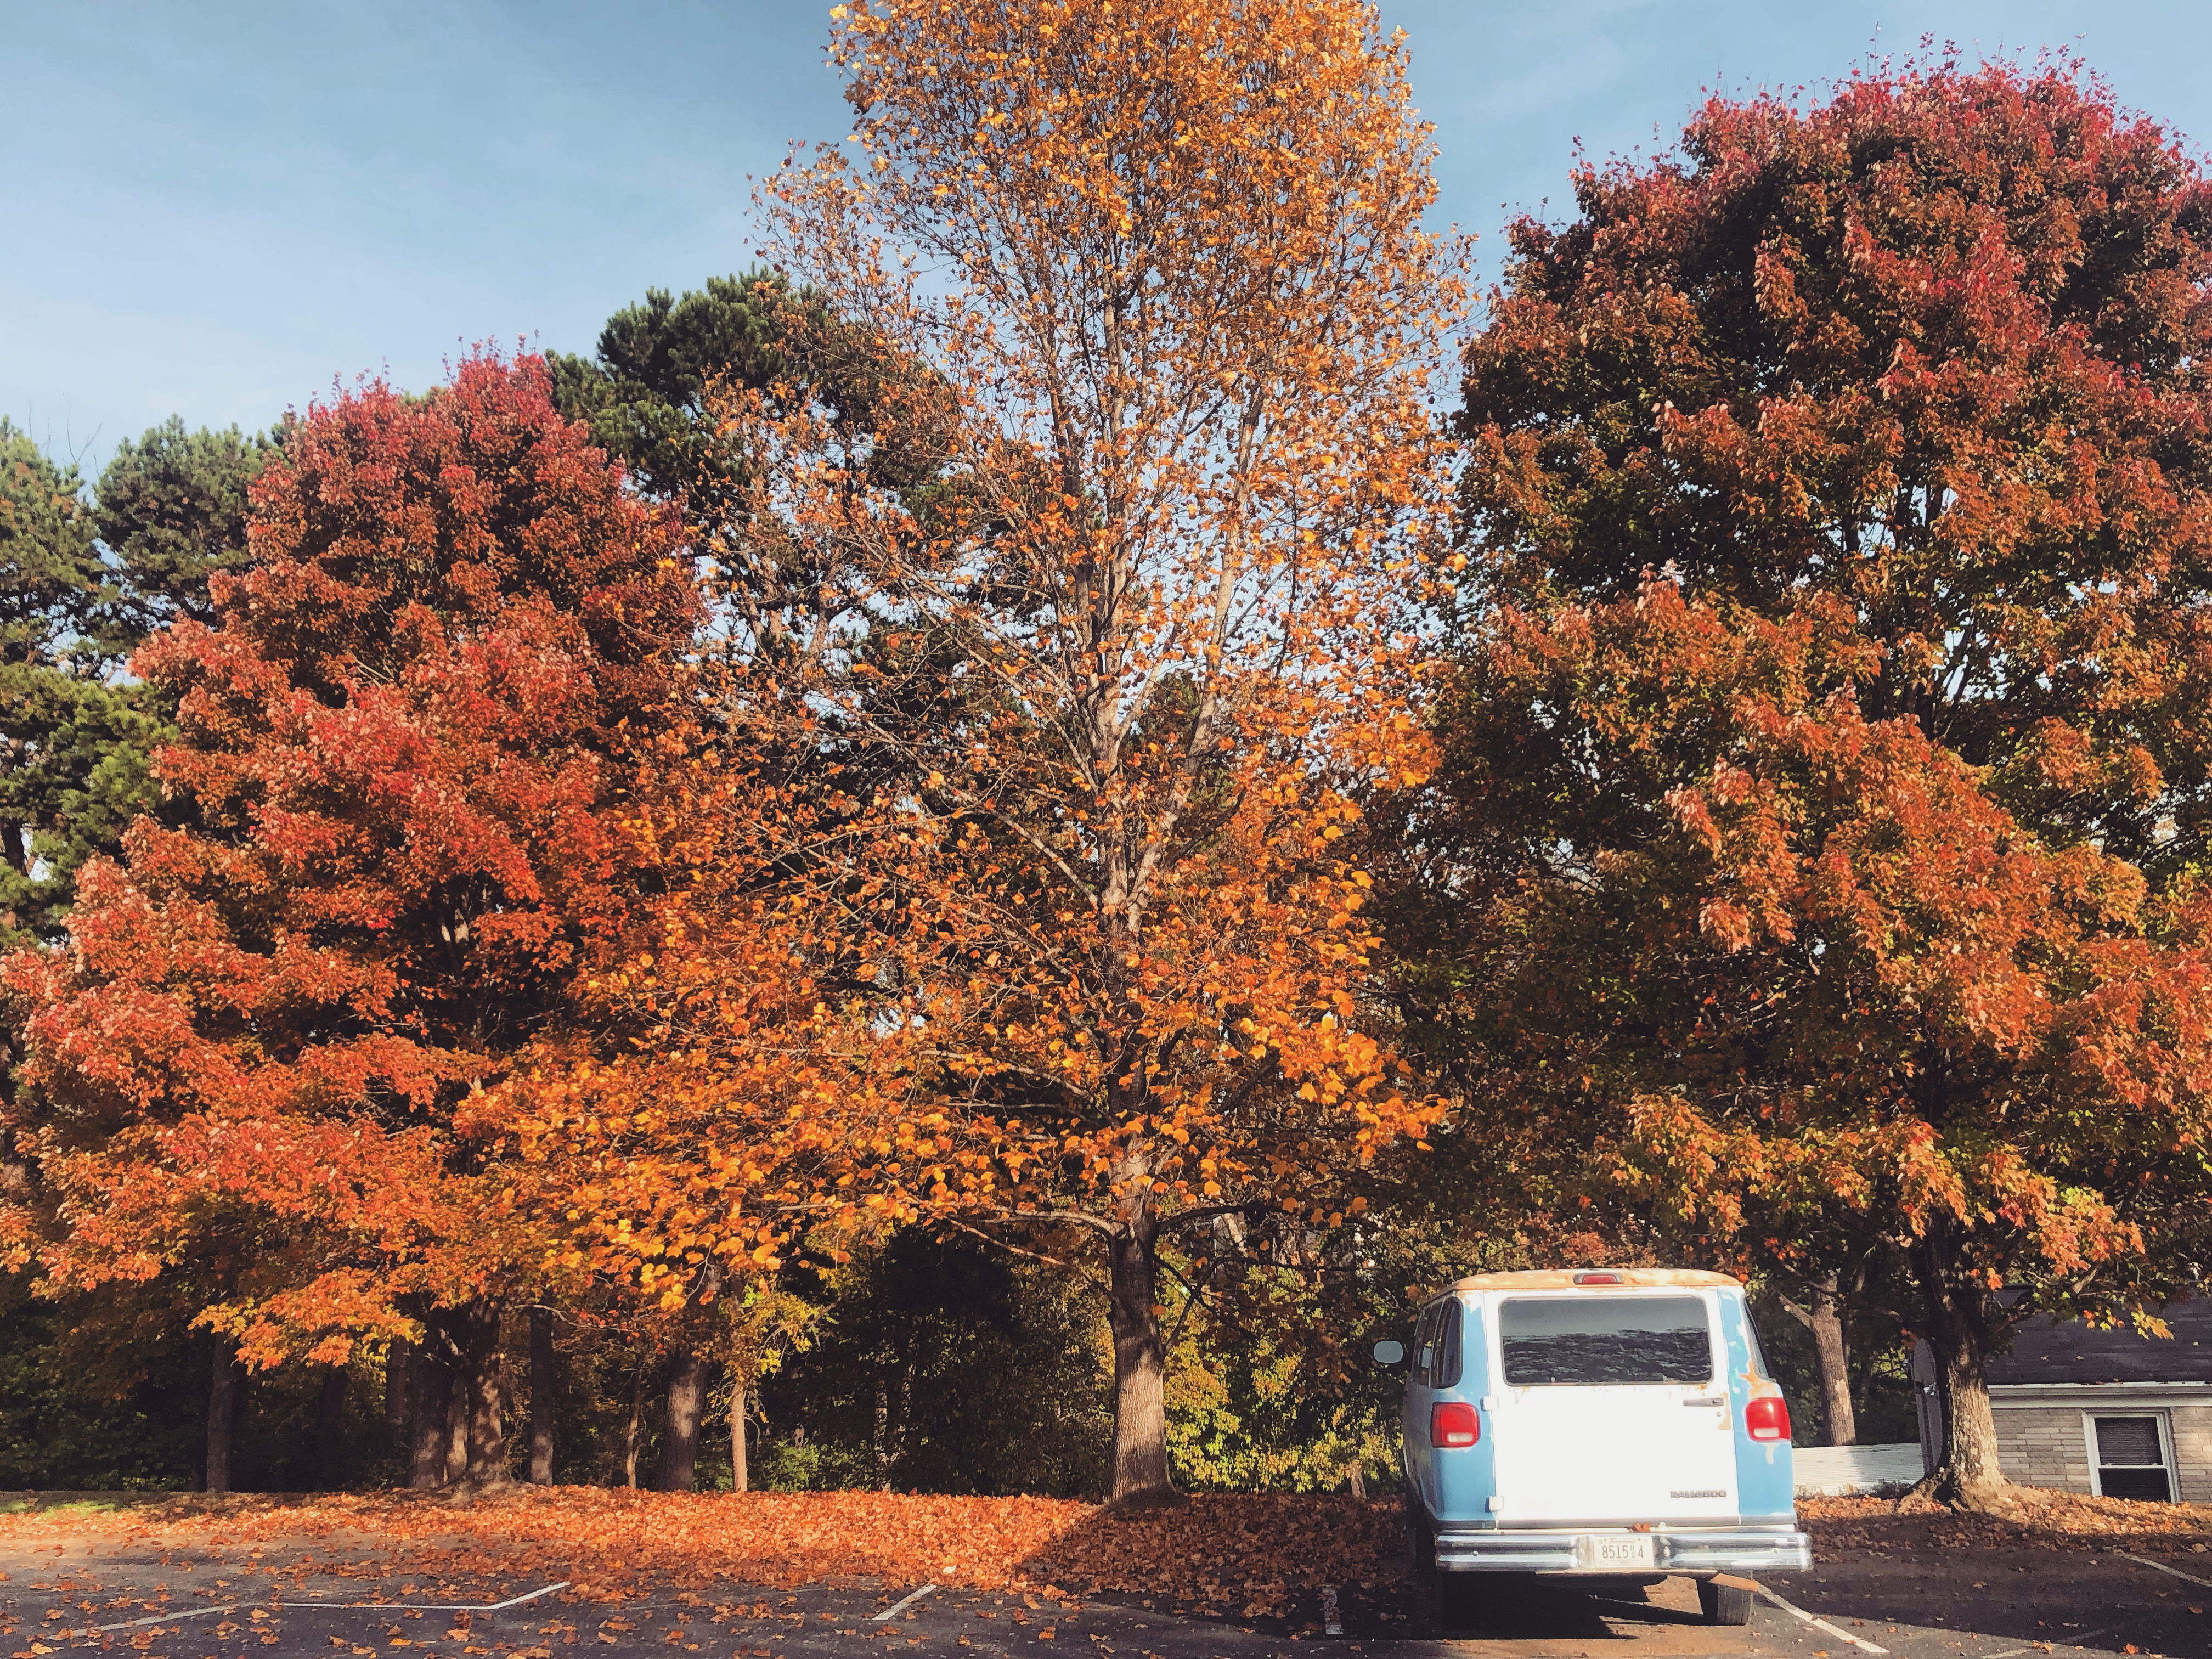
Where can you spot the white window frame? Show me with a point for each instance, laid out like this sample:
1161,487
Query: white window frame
2158,1416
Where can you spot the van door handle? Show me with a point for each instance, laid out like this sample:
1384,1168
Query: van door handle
1715,1399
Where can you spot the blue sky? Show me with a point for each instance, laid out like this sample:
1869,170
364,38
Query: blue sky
216,208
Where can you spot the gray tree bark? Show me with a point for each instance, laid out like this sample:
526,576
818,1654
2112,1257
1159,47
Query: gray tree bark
634,1433
740,1468
1823,1319
1838,1421
1140,1424
329,1427
1969,1475
679,1451
541,1396
880,1442
398,1380
457,1426
429,1414
482,1395
222,1415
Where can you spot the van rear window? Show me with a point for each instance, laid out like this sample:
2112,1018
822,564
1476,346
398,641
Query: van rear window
1605,1339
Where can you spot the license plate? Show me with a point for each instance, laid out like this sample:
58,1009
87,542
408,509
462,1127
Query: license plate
1603,1551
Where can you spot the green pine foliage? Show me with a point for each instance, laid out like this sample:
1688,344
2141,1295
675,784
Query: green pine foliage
82,583
647,394
73,737
171,510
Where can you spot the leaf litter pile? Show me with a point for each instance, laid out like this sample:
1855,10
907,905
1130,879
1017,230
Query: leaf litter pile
1246,1557
1223,1557
1843,1526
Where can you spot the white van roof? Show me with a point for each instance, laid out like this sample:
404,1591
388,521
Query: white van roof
1572,1278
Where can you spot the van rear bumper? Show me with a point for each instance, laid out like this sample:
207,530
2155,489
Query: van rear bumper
1745,1549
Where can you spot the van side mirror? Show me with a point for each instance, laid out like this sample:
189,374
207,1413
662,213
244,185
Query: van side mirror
1390,1353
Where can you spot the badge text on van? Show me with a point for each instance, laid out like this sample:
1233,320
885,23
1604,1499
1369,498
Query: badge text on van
1718,1491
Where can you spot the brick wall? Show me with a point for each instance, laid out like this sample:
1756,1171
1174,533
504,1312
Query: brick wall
2043,1445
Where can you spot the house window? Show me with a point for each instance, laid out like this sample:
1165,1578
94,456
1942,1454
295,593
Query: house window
2130,1457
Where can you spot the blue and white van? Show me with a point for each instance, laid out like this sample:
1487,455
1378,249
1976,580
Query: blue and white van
1618,1423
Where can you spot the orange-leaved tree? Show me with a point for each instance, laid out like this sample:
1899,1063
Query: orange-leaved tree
1832,772
405,745
676,1163
1095,655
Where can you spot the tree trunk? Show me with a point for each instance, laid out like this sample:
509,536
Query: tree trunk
634,1432
679,1453
740,1471
222,1416
894,1437
1824,1322
879,1443
456,1425
329,1427
481,1395
1839,1422
398,1381
430,1396
541,1396
1140,1424
1968,1475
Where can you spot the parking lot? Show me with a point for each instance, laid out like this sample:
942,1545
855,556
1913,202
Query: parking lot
272,1601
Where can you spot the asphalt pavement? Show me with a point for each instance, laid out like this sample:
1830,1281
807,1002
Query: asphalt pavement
70,1596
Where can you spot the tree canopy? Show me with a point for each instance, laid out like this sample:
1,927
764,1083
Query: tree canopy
646,395
86,582
171,510
1011,737
1829,765
1099,627
404,736
73,769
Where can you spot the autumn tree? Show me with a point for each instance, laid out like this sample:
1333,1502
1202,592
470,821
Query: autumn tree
654,396
1829,780
404,738
696,1113
1098,626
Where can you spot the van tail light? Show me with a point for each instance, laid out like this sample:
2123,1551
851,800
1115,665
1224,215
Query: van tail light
1768,1418
1454,1423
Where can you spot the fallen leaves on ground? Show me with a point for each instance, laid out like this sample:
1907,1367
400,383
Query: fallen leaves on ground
1247,1556
1235,1556
2051,1520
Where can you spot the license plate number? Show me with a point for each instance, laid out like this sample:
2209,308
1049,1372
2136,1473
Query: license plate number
1617,1553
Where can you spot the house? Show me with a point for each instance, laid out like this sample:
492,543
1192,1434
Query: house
2106,1412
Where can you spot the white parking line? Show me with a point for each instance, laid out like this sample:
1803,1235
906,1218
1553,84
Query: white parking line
328,1606
903,1603
2160,1566
2045,1647
1820,1624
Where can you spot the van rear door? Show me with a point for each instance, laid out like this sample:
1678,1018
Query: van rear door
1613,1408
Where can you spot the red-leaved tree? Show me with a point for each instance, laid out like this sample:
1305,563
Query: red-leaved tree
1830,774
404,745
